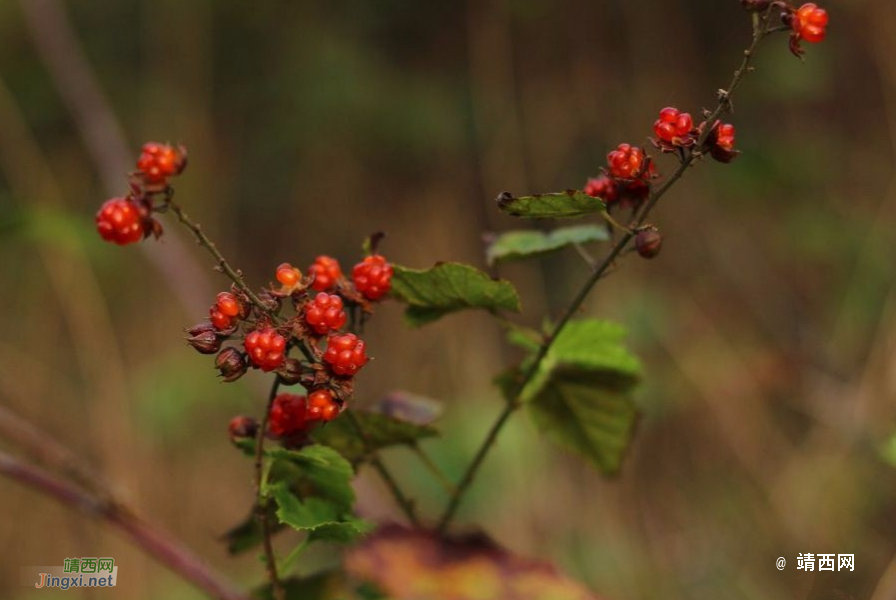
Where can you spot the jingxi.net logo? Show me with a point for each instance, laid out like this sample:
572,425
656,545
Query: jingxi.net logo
76,572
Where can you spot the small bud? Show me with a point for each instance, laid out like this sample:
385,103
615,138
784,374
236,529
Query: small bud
199,328
290,372
242,427
206,342
648,242
231,363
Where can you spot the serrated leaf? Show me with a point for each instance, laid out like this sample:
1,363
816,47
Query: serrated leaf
559,205
322,519
381,431
581,396
318,471
449,287
516,245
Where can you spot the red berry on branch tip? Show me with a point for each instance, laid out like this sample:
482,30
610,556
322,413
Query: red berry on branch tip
121,220
326,272
373,277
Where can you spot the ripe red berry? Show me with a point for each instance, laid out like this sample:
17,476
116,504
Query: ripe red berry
809,22
373,277
121,220
345,354
219,319
673,125
721,142
325,313
602,187
326,272
266,348
322,405
628,162
158,162
725,136
288,415
288,275
228,304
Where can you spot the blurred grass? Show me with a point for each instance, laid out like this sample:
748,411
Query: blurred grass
766,326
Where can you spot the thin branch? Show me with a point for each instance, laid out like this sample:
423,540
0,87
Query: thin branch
510,407
434,469
262,500
102,134
406,504
204,241
147,537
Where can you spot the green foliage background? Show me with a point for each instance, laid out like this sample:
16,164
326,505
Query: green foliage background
765,329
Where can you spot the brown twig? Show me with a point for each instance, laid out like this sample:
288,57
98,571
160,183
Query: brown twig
262,500
148,537
724,104
204,241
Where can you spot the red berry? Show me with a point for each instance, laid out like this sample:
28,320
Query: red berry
228,304
345,354
322,405
673,125
266,348
602,187
121,221
158,162
326,272
809,22
627,162
725,136
325,313
288,275
288,415
373,277
219,319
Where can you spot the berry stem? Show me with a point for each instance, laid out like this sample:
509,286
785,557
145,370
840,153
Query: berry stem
433,468
724,105
146,536
406,504
261,502
225,267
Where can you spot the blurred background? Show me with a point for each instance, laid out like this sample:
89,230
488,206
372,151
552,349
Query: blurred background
767,327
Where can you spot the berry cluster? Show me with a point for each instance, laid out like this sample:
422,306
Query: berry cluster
128,219
315,326
292,416
808,22
630,171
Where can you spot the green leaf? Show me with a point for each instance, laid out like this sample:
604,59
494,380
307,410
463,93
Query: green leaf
571,203
380,430
317,471
516,245
448,287
581,396
322,519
